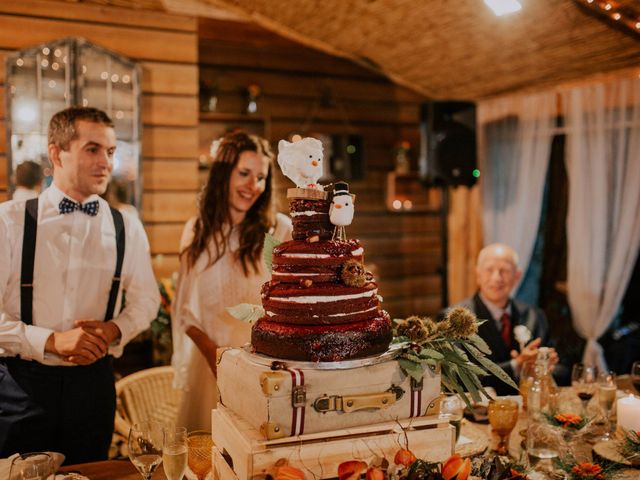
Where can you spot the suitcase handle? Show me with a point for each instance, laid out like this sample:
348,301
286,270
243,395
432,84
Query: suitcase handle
353,403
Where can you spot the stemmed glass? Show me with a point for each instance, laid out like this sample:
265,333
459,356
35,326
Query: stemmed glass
607,389
635,376
174,452
31,466
200,444
583,381
453,408
503,416
145,447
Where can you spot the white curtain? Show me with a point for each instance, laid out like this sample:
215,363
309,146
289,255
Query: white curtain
603,221
514,148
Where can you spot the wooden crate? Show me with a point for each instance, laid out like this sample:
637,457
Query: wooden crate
319,454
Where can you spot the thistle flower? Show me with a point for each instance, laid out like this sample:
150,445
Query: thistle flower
462,323
415,328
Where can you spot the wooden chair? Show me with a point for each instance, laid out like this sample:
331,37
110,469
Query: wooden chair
144,395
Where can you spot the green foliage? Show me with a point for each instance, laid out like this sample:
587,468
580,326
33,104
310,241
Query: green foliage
270,242
454,346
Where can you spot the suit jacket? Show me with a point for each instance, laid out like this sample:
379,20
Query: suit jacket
521,314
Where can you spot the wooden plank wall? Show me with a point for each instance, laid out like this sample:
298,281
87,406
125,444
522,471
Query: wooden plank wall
403,249
166,46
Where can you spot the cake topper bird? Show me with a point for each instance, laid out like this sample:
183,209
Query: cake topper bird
301,161
341,210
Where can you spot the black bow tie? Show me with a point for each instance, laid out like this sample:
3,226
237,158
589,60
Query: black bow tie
68,206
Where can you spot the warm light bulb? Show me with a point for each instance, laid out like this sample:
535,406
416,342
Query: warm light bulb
607,7
616,16
397,204
503,7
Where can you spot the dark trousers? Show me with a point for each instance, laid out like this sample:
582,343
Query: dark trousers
79,405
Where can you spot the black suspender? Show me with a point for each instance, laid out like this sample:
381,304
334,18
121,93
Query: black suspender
28,257
115,284
29,253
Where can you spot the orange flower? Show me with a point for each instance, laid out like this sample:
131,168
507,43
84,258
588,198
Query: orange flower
404,457
289,473
587,470
456,468
568,419
351,470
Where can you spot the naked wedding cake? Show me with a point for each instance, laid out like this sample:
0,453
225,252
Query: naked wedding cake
321,304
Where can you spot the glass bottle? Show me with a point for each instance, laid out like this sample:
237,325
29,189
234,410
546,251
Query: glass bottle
543,440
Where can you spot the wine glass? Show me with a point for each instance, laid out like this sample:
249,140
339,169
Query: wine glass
607,389
199,445
31,466
503,416
174,452
145,447
635,376
452,407
583,381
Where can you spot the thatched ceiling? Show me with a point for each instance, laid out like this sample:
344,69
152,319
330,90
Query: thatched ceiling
447,49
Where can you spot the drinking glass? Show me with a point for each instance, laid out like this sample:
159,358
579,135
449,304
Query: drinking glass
199,445
145,447
31,466
583,381
452,406
527,375
635,376
174,452
607,389
503,416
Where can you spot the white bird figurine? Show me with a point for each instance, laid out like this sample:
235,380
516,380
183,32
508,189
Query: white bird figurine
301,161
341,210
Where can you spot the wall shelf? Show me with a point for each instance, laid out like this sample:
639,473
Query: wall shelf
407,194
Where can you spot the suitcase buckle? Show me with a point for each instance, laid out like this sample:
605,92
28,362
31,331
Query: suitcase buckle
298,396
325,404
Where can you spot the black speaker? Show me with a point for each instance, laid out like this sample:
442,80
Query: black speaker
448,143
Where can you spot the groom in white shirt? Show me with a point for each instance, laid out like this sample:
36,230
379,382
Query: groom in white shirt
65,259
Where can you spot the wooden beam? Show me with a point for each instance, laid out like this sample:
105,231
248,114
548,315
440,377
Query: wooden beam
162,207
169,142
159,174
165,237
169,78
169,110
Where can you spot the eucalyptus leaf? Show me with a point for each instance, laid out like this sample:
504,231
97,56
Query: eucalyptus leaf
270,242
431,353
469,385
480,344
246,312
413,369
490,366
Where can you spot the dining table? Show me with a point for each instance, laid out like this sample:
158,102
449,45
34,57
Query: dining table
110,470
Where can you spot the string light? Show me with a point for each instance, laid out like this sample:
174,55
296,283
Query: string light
618,11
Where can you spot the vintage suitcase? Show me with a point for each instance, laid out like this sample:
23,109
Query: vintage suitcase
282,399
240,452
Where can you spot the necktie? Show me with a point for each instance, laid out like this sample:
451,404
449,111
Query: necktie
506,329
68,206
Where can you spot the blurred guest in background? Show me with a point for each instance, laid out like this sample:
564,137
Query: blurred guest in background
28,180
221,266
497,273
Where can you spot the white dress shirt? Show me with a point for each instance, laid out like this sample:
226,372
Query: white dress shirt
75,262
22,193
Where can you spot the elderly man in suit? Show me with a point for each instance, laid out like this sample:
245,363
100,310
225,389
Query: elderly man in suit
497,273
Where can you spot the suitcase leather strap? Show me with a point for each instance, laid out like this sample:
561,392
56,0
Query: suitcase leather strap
416,397
298,401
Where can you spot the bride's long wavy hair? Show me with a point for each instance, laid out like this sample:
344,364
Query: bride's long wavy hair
214,218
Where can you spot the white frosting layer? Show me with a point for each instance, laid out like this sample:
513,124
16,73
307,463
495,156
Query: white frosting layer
294,274
271,314
306,213
324,298
357,252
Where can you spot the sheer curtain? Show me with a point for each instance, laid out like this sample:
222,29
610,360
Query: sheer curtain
514,148
603,221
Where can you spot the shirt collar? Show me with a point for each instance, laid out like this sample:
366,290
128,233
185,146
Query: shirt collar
55,195
496,311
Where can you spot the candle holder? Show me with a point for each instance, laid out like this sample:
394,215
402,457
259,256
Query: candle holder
503,416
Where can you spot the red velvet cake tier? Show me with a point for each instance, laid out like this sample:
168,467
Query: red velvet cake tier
309,218
319,304
320,343
316,261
